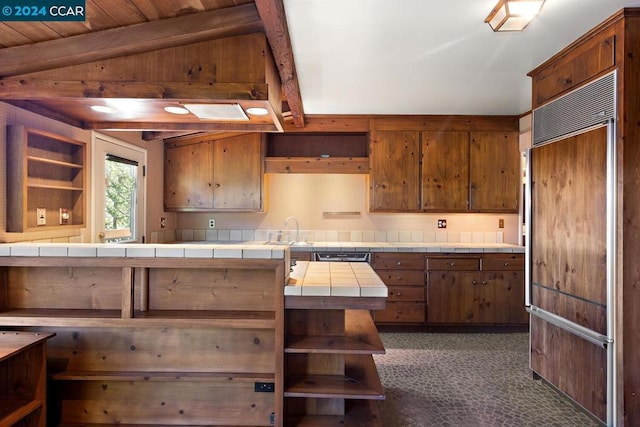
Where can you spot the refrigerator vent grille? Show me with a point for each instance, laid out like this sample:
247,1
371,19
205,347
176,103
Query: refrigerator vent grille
590,105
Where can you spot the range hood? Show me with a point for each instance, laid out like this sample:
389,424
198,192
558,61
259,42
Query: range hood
126,78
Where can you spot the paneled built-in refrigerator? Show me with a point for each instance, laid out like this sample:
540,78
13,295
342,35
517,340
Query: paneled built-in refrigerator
570,247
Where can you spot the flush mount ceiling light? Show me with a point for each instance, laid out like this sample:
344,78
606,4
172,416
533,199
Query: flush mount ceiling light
513,15
257,111
176,110
217,111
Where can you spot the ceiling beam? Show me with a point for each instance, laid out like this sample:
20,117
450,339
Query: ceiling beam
129,40
275,27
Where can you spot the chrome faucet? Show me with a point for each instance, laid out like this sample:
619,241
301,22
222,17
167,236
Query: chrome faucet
297,226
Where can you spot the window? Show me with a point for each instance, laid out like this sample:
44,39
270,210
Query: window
118,191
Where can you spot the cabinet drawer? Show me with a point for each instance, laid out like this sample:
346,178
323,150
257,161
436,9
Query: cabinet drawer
453,264
405,293
402,277
300,256
398,261
401,312
507,263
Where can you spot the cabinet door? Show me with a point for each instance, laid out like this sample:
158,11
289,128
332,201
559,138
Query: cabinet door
453,296
445,171
505,292
188,177
495,175
394,159
237,173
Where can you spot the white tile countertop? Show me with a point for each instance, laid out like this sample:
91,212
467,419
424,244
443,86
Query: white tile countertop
341,279
407,247
199,250
230,249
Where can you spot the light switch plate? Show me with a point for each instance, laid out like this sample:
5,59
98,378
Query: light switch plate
41,216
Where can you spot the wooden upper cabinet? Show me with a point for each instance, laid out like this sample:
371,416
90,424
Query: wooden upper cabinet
589,59
494,169
394,171
237,172
214,175
445,171
187,176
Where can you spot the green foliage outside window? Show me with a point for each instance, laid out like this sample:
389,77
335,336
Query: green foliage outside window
120,195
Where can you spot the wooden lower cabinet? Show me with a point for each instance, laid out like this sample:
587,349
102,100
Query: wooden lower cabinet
476,289
403,273
330,374
154,341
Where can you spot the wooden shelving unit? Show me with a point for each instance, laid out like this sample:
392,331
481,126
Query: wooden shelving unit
44,171
317,153
152,341
23,373
330,374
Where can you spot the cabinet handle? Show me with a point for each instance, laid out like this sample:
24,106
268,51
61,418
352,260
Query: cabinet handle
399,278
398,294
399,263
484,282
506,264
451,264
474,282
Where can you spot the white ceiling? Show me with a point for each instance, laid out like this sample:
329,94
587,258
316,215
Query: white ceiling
401,57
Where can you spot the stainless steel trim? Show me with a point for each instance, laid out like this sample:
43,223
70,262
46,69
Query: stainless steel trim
611,270
574,133
527,237
569,326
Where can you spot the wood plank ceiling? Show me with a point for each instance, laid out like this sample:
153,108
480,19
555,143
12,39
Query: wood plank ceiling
36,58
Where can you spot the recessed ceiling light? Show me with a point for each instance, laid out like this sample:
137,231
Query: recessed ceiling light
103,109
176,110
257,111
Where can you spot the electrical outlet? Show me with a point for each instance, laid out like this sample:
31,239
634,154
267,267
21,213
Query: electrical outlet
163,222
41,216
212,223
501,223
442,223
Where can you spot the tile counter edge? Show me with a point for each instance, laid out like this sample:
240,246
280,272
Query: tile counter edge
98,250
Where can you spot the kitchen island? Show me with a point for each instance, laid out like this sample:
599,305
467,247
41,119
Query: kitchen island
192,335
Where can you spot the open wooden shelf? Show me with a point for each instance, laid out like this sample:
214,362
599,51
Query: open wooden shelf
362,413
114,318
360,381
361,337
13,411
55,162
353,165
44,171
23,374
150,341
161,376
